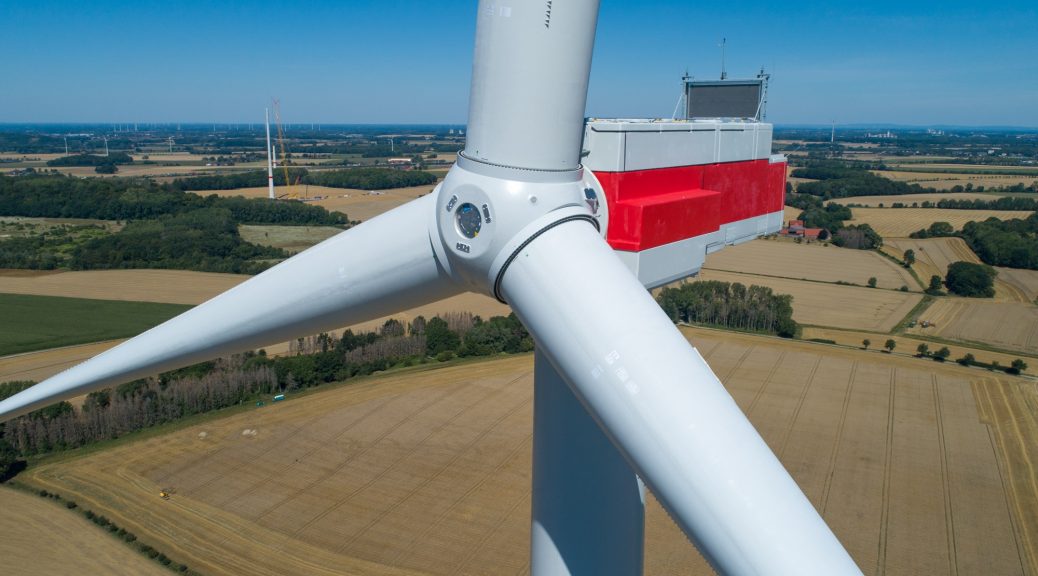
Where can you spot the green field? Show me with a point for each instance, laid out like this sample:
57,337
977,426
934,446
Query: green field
291,238
30,323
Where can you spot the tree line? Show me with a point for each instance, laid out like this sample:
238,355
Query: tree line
730,305
245,378
358,178
837,180
111,159
58,196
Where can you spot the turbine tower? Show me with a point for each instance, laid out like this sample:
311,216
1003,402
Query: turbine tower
621,398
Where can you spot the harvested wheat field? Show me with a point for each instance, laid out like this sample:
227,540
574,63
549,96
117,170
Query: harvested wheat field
900,222
1023,282
42,537
356,204
171,286
37,366
934,255
428,471
947,180
1004,325
908,199
819,262
821,304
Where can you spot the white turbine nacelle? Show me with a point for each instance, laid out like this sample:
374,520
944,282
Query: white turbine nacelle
620,394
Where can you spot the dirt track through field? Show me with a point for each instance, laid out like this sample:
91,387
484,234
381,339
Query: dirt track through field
40,536
429,471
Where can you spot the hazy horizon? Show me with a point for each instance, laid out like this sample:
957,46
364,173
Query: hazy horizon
925,64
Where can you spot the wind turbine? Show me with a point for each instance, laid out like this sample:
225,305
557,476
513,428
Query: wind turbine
621,397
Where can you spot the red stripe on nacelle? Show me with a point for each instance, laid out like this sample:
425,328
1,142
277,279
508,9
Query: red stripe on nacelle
649,208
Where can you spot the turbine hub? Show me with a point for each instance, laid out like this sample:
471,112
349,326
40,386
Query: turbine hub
485,213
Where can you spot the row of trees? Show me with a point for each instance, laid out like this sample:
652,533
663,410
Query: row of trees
205,240
243,378
57,196
730,305
360,178
111,159
837,180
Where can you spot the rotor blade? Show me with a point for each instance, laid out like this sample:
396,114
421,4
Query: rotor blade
665,410
377,268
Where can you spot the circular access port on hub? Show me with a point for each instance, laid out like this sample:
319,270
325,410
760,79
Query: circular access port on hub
468,219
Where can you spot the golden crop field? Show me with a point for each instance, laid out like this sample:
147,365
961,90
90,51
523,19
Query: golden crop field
42,537
1023,282
357,204
823,304
900,222
908,199
1005,325
934,255
948,180
787,259
919,468
172,286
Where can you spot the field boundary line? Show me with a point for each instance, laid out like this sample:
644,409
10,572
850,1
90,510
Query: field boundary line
835,453
767,379
881,559
800,403
949,513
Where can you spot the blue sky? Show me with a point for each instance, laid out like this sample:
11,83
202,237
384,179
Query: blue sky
402,61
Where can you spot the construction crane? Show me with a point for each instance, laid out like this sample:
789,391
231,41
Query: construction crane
284,156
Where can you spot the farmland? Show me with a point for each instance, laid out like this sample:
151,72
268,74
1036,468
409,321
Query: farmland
73,545
1005,325
291,238
832,305
171,286
357,204
40,322
811,262
946,179
900,222
909,199
934,255
429,471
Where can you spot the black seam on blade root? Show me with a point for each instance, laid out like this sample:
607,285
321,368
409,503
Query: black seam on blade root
515,253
